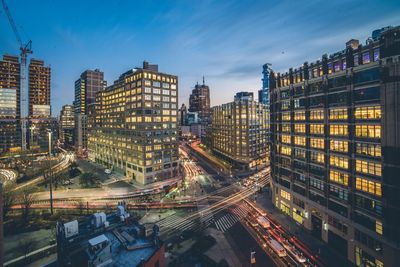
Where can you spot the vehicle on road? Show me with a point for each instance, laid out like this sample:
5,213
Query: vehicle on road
277,247
263,222
107,171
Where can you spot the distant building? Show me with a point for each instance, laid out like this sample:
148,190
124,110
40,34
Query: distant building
135,130
86,88
182,114
239,132
109,240
199,101
39,89
67,125
263,94
335,148
10,129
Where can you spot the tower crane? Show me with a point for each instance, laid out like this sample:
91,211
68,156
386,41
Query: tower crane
25,50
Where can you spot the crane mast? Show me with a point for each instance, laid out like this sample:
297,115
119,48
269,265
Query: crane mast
25,50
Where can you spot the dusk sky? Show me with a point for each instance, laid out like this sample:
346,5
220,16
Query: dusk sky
227,41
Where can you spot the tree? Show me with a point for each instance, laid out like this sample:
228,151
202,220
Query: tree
25,246
9,198
26,199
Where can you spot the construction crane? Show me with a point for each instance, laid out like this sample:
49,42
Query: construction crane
25,50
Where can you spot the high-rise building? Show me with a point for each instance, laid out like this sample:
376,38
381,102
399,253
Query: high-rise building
67,125
39,89
86,88
135,130
336,145
239,132
263,94
10,130
182,114
199,101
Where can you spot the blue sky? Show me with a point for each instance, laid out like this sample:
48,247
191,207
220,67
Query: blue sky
227,41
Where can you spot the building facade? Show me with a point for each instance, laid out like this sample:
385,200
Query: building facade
239,132
135,130
39,89
335,148
199,101
67,125
10,130
86,88
263,94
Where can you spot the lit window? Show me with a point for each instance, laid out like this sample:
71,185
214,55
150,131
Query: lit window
368,113
368,186
316,128
369,131
368,167
338,114
285,194
317,114
339,177
299,116
317,143
339,146
340,162
338,129
379,227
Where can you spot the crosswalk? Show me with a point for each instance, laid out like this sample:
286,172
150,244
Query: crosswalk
228,220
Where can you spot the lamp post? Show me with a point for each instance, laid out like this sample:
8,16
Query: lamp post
49,134
32,128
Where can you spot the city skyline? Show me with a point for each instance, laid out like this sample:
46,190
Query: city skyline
226,42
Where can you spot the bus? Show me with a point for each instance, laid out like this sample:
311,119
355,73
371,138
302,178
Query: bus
277,248
263,222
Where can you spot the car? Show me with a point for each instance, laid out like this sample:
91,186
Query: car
107,171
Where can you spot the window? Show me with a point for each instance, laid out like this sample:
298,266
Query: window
366,76
285,139
317,114
339,146
356,60
299,103
316,128
300,116
285,150
300,128
339,177
286,116
367,95
300,140
285,195
379,227
338,129
338,114
368,149
369,167
286,128
376,54
368,131
368,186
285,104
317,157
299,153
368,113
317,184
340,162
156,84
365,58
317,143
339,192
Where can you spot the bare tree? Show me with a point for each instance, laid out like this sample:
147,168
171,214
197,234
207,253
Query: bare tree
25,246
81,206
26,199
9,198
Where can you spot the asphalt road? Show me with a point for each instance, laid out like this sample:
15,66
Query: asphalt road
243,243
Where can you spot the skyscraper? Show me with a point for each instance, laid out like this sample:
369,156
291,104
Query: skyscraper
67,125
135,130
263,94
39,89
199,101
86,87
335,148
182,115
10,130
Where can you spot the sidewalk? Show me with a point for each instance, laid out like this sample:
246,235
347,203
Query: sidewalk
326,253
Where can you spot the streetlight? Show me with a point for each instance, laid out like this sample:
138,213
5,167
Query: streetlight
49,134
32,128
